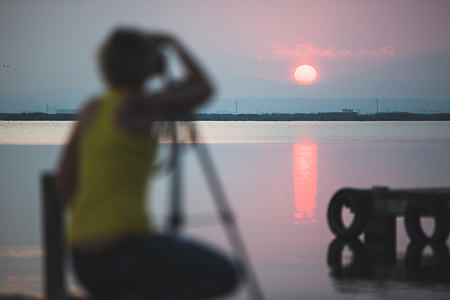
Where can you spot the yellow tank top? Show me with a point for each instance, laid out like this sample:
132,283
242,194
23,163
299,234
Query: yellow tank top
114,169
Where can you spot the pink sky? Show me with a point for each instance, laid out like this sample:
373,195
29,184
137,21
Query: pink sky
398,49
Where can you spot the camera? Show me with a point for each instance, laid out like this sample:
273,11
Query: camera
160,63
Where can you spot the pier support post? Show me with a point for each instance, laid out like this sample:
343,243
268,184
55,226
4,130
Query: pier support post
380,239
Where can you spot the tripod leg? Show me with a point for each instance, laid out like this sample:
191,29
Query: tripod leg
176,219
231,229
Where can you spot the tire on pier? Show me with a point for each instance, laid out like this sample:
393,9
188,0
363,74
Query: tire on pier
437,210
436,271
356,201
360,266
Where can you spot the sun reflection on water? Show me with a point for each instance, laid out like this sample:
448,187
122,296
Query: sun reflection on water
305,182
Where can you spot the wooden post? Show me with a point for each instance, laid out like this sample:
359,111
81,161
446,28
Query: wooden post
52,211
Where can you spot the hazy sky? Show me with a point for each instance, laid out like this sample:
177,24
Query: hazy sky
391,49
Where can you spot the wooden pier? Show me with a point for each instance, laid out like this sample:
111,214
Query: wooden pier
375,211
374,215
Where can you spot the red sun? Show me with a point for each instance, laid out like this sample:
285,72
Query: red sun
305,74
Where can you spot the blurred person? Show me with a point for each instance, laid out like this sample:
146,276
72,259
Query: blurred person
102,177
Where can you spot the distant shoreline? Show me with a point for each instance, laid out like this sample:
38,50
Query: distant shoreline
333,116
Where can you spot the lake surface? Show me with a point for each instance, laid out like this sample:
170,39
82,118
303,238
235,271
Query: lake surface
279,177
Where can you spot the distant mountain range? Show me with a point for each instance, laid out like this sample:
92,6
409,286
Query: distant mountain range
252,95
255,105
54,100
302,105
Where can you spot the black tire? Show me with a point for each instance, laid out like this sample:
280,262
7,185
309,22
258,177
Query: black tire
437,210
359,267
358,203
438,270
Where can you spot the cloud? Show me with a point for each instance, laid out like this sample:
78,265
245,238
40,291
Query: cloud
308,50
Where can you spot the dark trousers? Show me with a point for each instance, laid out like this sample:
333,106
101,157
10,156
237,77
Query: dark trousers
157,267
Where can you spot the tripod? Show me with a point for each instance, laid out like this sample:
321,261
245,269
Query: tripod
53,222
176,218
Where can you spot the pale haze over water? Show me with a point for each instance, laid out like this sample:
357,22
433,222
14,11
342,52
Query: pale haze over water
279,177
215,132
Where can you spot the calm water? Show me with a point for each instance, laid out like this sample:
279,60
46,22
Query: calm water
279,177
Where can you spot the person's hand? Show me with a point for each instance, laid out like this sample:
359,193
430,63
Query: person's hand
160,38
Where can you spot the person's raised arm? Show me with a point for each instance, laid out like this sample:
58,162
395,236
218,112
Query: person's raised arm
195,90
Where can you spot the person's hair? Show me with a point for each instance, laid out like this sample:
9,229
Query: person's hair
127,58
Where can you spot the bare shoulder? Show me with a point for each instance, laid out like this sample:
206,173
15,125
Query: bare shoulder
89,109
